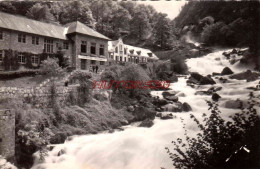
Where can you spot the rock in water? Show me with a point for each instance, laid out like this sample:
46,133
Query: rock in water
215,97
196,76
186,107
174,107
248,76
167,116
146,123
172,98
207,80
169,93
226,71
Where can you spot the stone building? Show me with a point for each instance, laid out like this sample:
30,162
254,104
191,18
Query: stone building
82,45
120,52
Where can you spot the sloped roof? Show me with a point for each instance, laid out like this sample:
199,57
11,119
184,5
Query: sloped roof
83,29
23,24
144,52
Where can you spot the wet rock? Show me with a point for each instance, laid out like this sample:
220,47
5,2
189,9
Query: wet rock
215,97
222,80
167,116
233,104
142,113
226,71
191,80
226,54
130,108
61,152
169,93
146,123
196,76
180,94
172,98
214,89
248,76
186,107
158,114
160,102
173,107
215,74
217,59
207,80
111,131
203,92
167,75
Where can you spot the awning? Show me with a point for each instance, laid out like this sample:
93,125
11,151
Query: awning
92,58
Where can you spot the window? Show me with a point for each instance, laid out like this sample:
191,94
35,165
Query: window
116,58
120,58
150,54
83,64
120,47
93,62
21,58
83,47
1,55
93,48
116,50
125,50
35,59
101,50
66,45
48,45
1,35
102,62
129,59
132,51
125,59
22,38
138,52
35,40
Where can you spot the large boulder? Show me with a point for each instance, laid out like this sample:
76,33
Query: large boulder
142,113
146,123
159,102
169,93
186,107
196,76
169,76
248,76
226,71
207,80
233,104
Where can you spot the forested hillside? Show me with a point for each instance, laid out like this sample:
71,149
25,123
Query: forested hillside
142,24
221,23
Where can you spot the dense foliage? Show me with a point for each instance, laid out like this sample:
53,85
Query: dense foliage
221,143
222,23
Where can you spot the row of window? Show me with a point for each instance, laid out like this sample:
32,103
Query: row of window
83,63
136,60
21,58
93,47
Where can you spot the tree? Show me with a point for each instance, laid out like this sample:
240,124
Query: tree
162,31
7,7
41,13
77,11
140,24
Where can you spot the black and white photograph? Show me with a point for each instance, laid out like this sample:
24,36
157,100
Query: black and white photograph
129,84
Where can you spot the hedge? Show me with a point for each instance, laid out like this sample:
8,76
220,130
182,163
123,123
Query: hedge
17,74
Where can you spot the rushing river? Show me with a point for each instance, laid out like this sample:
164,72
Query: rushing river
144,148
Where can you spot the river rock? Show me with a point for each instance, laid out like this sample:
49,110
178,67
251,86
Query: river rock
223,80
173,107
158,114
233,104
142,113
207,80
203,92
146,123
196,76
186,107
215,97
159,102
61,152
180,94
248,76
226,71
167,116
169,93
215,74
172,98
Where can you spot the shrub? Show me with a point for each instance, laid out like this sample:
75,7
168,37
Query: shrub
17,74
51,67
219,143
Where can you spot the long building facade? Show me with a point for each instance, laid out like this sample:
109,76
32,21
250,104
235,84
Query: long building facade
120,52
27,40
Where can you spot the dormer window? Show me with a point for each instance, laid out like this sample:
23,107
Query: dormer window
150,54
131,51
138,52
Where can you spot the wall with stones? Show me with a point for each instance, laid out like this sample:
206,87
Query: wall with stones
7,133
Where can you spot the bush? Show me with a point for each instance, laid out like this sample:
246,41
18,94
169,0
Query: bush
51,67
220,143
17,74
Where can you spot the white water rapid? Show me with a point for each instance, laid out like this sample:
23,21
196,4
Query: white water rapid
144,148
